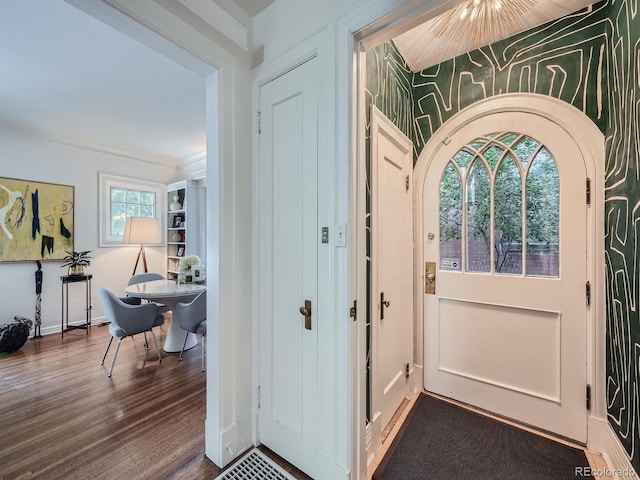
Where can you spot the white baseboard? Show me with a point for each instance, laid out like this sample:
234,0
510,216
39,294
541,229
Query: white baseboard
55,329
417,379
332,471
603,440
234,441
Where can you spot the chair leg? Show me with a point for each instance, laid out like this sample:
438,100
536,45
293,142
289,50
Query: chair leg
183,345
113,362
155,341
204,347
146,343
106,351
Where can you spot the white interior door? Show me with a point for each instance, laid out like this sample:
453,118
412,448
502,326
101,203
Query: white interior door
391,268
288,258
505,223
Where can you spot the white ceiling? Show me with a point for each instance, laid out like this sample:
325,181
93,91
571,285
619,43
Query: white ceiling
79,76
82,72
68,76
421,49
253,7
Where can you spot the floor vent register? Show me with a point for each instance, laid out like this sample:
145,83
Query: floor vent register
255,465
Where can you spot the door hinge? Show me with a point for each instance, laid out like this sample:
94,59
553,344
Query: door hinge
407,183
588,292
588,191
588,397
353,311
259,122
258,396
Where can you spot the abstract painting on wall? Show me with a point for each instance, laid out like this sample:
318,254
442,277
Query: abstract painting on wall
36,220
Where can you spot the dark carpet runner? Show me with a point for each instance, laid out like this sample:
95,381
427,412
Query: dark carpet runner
441,441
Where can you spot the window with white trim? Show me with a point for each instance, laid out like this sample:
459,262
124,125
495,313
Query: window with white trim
122,197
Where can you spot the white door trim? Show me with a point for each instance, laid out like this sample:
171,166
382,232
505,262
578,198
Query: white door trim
591,142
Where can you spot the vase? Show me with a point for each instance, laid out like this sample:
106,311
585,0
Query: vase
175,205
76,270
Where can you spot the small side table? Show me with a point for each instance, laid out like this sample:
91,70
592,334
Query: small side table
66,280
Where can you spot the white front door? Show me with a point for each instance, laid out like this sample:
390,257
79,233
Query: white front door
391,268
288,266
505,224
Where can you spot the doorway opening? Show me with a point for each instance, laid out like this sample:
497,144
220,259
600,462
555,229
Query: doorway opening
396,81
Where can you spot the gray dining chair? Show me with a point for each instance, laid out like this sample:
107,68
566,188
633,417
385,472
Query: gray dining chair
128,320
141,278
192,317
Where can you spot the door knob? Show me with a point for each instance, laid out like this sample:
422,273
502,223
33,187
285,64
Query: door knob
430,278
383,304
306,311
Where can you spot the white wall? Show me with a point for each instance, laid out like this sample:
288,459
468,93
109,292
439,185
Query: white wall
42,160
287,22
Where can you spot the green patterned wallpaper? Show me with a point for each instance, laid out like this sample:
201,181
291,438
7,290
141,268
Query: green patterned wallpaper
591,60
561,59
622,199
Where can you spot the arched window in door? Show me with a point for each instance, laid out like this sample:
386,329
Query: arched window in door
496,191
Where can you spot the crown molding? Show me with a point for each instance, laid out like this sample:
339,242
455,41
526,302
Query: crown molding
30,133
219,19
177,24
190,160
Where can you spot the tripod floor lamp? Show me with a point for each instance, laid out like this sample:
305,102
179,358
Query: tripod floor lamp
141,230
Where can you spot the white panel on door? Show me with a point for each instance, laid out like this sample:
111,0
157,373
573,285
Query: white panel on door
523,357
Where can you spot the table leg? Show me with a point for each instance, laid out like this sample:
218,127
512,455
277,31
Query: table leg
175,336
62,310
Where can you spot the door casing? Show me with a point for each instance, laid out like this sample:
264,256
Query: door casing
362,30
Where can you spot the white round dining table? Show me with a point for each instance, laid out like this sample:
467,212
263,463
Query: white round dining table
169,293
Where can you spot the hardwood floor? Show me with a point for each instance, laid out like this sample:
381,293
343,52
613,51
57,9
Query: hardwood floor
61,417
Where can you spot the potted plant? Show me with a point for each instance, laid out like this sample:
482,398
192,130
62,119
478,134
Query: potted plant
76,261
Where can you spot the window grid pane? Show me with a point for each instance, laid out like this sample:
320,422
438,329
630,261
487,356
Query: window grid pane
543,217
451,219
478,196
508,219
130,203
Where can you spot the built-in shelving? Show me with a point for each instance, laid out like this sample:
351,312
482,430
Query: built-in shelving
182,224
